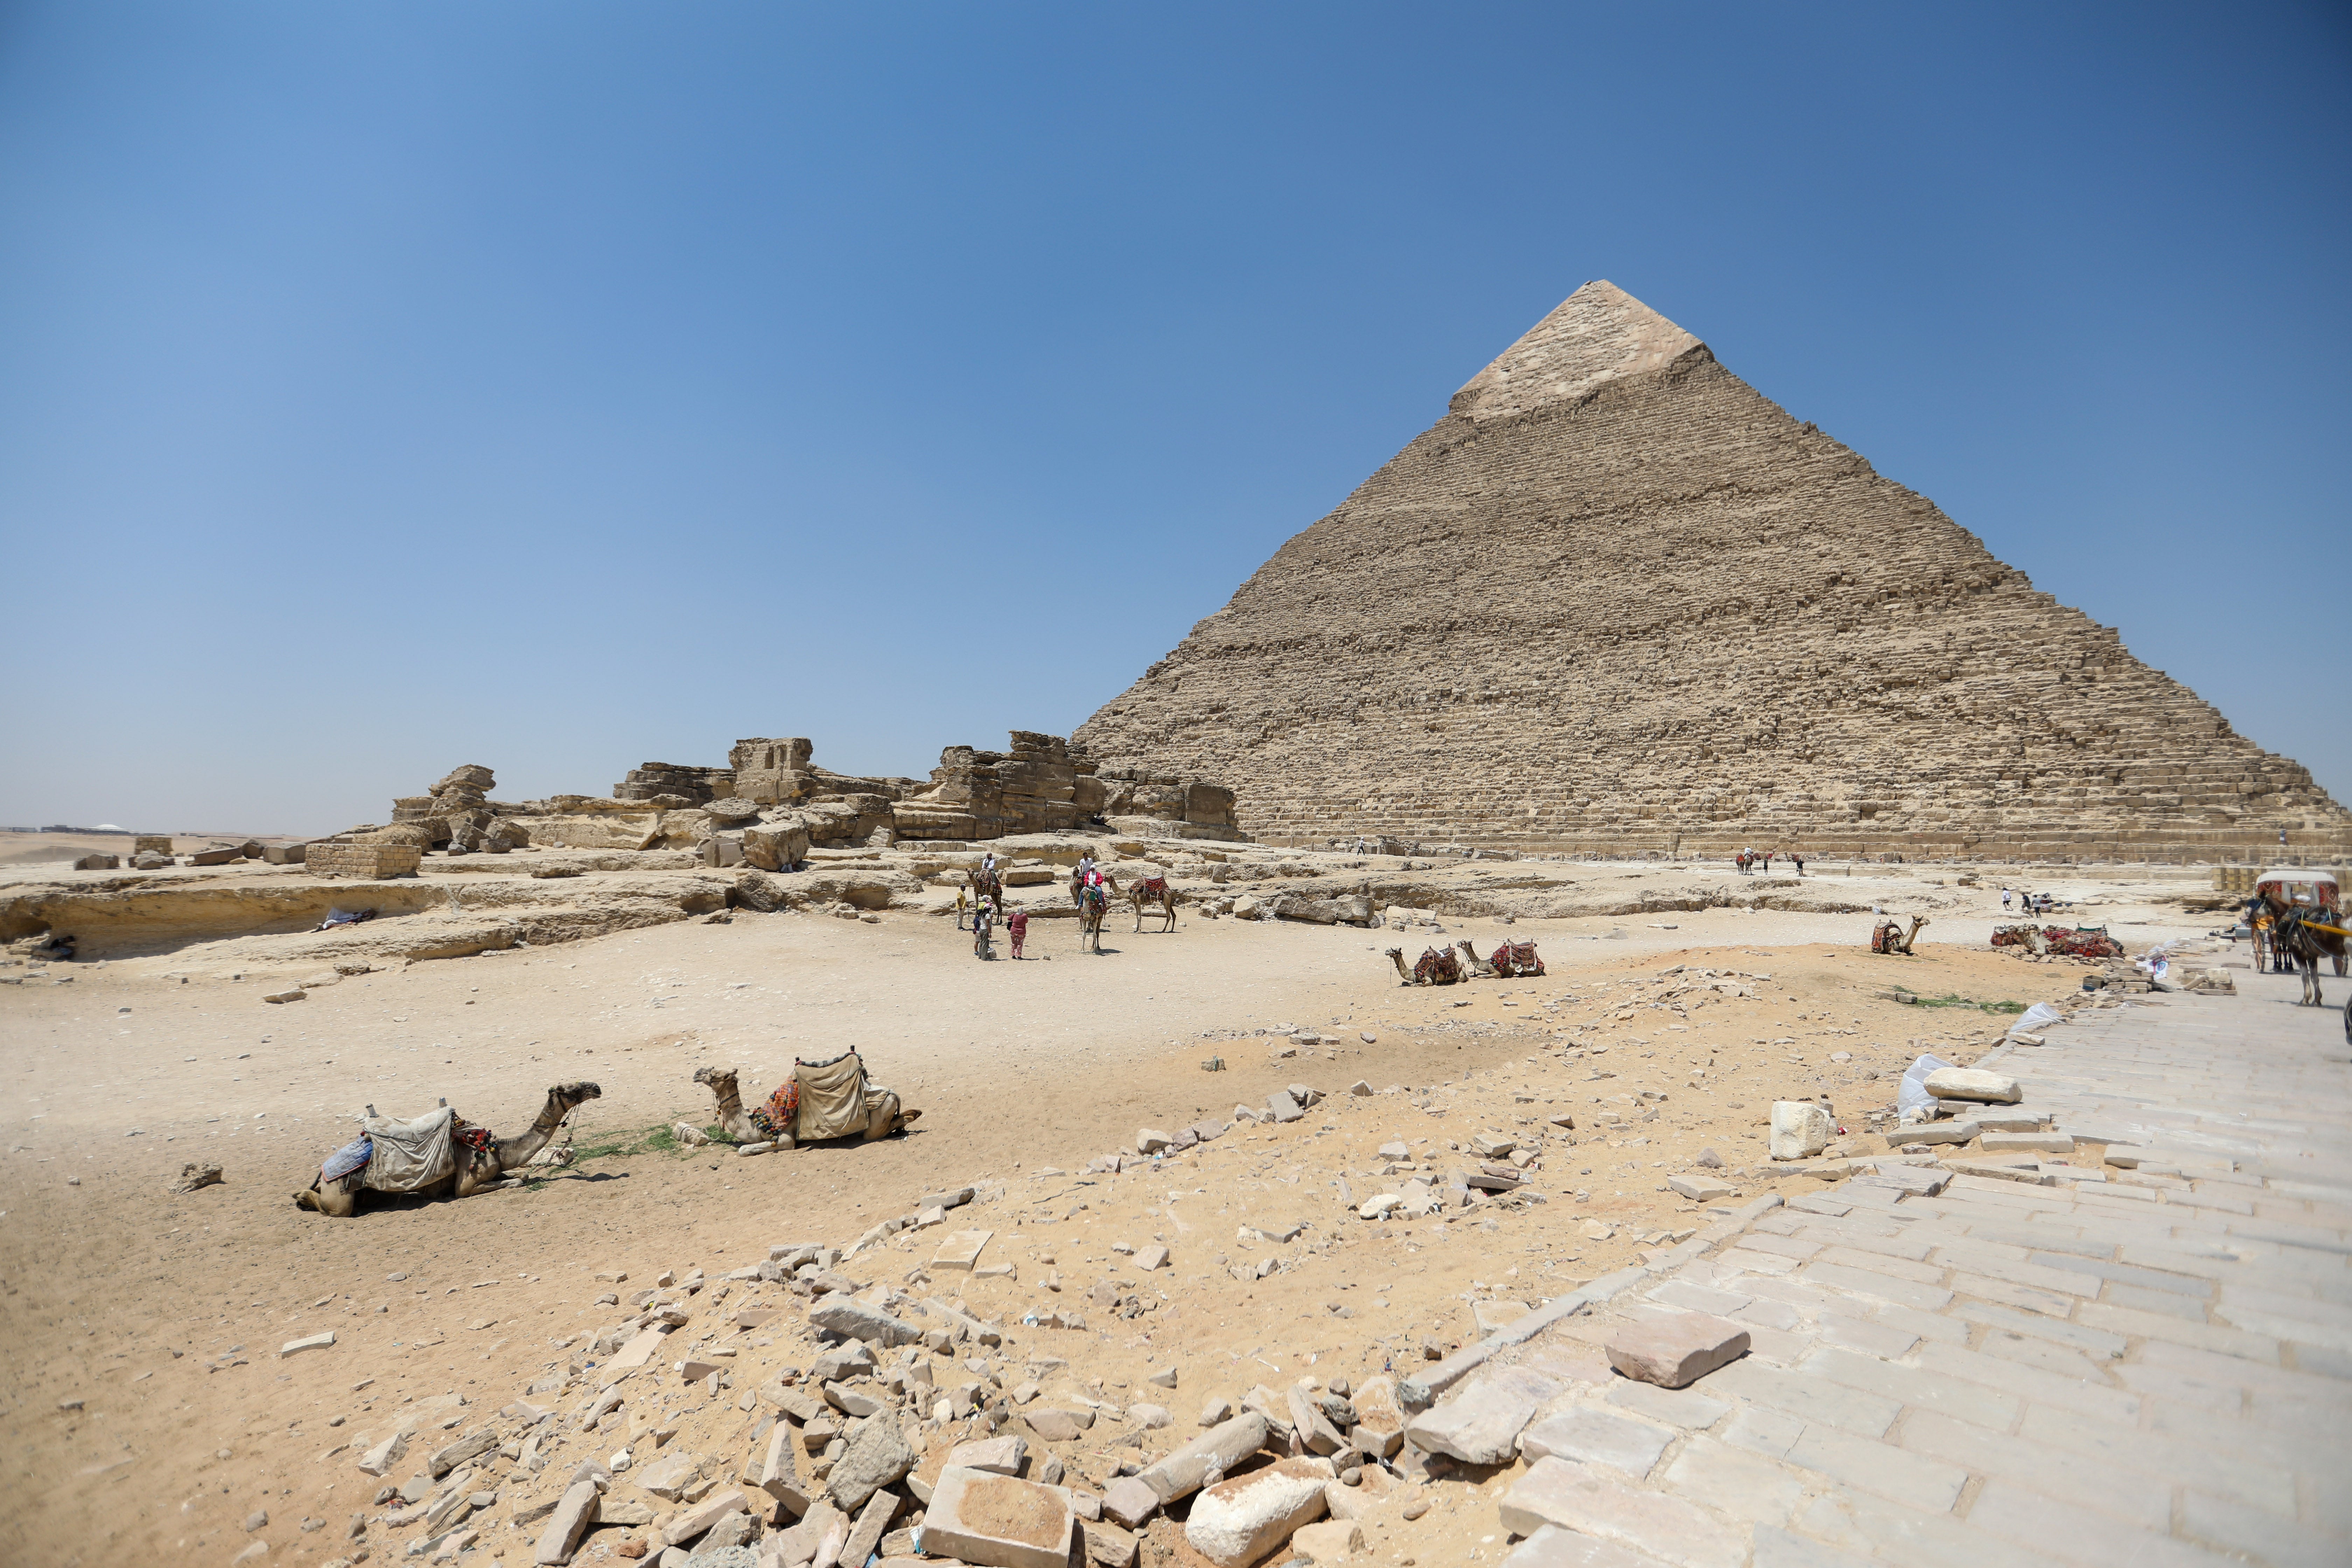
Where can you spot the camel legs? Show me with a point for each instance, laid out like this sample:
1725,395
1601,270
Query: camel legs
337,1199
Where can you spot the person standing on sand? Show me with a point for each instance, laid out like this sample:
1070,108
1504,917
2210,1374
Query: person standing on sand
1798,861
963,902
982,913
1016,926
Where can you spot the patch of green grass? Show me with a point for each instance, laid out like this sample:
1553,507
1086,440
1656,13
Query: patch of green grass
1953,999
658,1139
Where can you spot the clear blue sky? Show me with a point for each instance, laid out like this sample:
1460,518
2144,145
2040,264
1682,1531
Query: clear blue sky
559,387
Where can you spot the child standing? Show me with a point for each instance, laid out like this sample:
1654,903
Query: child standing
1016,926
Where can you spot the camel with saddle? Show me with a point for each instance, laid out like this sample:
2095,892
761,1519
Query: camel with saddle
1888,937
437,1155
1154,894
820,1100
1436,966
1093,901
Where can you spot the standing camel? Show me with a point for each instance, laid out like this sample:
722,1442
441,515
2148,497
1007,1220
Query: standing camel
1153,890
440,1155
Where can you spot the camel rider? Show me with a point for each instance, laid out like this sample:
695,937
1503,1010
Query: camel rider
1089,876
988,865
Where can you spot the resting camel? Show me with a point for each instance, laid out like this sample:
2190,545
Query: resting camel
1517,960
1472,964
477,1157
1437,967
777,1119
1883,937
1153,890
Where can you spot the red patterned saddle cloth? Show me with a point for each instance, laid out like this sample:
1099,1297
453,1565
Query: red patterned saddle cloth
782,1112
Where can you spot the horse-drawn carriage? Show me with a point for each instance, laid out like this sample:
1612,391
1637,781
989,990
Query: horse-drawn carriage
2300,892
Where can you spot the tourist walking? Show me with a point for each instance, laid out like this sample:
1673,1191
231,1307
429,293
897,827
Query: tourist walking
2004,900
1016,926
983,918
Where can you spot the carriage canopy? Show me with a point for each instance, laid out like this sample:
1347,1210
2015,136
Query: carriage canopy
2298,885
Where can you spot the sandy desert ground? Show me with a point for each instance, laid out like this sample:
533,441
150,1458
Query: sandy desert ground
156,1419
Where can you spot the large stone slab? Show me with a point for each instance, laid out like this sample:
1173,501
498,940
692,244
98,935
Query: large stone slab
1240,1521
1206,1457
998,1521
1801,1130
878,1455
1480,1425
570,1518
1597,1437
855,1320
1598,1502
1675,1351
1974,1084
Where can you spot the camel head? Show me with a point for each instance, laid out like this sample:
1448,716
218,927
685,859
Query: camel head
718,1080
572,1094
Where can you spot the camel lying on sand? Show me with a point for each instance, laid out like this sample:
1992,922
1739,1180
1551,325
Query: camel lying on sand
439,1155
821,1099
1436,966
1888,937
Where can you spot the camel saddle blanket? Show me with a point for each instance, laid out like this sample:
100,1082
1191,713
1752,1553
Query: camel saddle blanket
1156,886
781,1116
832,1096
345,1160
410,1156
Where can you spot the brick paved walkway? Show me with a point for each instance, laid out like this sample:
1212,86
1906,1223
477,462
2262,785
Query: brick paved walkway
2152,1369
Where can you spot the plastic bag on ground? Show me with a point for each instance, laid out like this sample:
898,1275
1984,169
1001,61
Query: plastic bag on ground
2036,1019
1913,1095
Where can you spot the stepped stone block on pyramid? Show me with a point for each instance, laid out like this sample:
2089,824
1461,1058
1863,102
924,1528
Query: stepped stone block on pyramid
1616,600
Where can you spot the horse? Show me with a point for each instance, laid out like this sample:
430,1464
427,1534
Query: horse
1153,890
2302,935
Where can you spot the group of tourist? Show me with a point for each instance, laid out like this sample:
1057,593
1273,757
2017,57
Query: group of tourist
1746,860
2030,903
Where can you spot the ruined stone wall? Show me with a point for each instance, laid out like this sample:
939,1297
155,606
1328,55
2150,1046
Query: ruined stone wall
1642,606
1038,786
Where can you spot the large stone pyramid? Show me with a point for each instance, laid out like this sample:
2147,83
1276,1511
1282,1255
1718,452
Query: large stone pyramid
1616,600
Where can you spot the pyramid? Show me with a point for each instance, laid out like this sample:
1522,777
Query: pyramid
1617,601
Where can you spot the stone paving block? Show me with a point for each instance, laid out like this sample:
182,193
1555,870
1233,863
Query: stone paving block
1686,1407
2128,1273
2095,1343
1698,1297
1885,1286
2037,1276
1760,1429
1597,1436
1780,1549
1750,1489
1768,1315
2283,1316
2252,1440
1911,1320
1880,1468
1867,1335
2046,1354
1879,1263
2163,1457
1599,1502
2138,1324
1819,1203
2188,1308
2142,1500
1754,1262
2051,1303
1784,1245
2072,1533
1795,1292
1811,1400
1552,1547
1977,1400
2280,1543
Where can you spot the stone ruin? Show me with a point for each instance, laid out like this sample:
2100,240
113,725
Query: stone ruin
771,804
1616,601
457,816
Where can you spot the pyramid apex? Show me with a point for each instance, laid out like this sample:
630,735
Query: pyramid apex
1597,334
